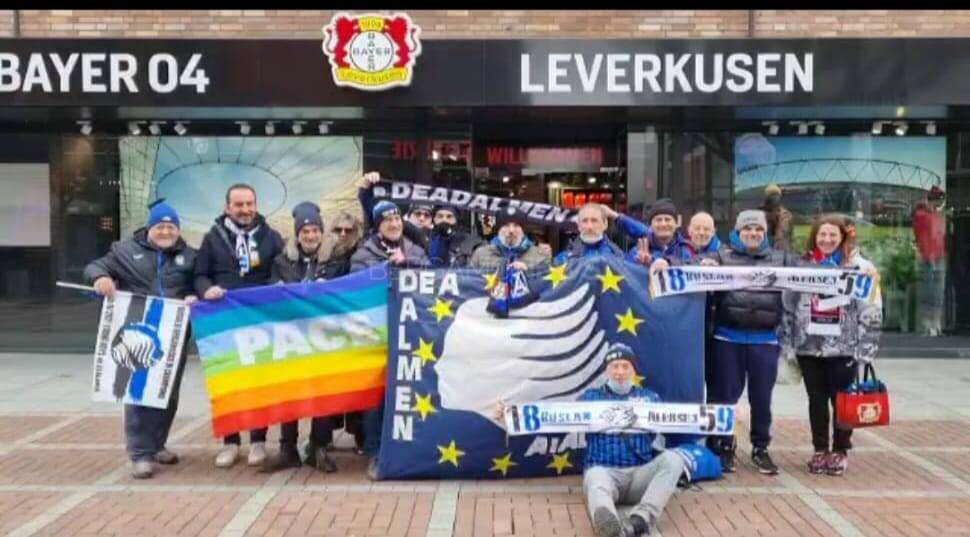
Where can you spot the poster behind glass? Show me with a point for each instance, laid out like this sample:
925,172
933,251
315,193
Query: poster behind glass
193,173
893,187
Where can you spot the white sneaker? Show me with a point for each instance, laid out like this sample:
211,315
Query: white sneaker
257,453
142,469
227,457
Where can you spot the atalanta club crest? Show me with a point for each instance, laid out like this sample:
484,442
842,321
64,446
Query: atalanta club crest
371,52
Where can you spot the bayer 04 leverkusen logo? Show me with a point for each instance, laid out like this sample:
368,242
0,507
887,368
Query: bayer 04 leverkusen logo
371,52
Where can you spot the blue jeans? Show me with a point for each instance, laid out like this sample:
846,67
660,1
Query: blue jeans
373,426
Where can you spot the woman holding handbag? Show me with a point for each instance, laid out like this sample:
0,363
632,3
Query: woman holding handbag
829,336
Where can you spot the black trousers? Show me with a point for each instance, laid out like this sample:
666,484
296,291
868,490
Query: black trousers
824,377
321,431
255,435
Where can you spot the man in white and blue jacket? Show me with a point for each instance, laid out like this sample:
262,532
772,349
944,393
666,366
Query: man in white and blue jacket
621,466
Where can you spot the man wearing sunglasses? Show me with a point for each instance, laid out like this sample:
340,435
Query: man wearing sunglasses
420,215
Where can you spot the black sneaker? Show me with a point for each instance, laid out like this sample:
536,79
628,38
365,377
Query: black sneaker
322,461
727,461
762,461
636,526
288,457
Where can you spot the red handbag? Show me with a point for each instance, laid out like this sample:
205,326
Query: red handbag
863,404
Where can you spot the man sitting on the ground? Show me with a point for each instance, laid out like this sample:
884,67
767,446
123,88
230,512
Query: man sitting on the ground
621,466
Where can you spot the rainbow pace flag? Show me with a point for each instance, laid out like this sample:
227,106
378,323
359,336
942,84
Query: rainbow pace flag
282,352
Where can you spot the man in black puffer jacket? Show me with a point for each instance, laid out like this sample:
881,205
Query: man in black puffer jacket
237,252
746,343
154,261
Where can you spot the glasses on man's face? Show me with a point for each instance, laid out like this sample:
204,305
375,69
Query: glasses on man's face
343,230
421,214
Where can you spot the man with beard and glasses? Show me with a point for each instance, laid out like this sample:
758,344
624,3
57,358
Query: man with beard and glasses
154,261
237,252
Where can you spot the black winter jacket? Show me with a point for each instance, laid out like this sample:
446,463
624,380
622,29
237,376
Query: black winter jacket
293,266
749,310
138,266
216,263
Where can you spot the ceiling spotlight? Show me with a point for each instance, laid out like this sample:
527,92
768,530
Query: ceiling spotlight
820,129
244,128
85,127
133,128
802,128
876,128
154,128
270,128
298,127
324,127
772,127
435,155
180,128
931,128
591,180
901,128
506,179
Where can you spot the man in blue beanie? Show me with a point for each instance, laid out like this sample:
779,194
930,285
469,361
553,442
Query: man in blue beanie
155,261
387,244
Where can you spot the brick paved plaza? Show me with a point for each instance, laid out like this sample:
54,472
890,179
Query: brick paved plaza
63,472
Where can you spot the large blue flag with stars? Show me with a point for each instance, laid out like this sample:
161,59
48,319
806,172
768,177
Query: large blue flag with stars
450,360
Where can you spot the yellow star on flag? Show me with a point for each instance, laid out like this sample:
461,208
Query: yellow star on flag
450,454
637,381
441,309
425,351
628,323
423,405
609,280
491,280
556,275
503,464
560,463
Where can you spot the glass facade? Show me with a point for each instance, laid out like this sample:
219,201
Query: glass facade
72,195
907,195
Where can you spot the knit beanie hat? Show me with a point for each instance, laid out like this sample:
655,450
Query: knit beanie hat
382,210
620,351
306,214
449,208
502,218
162,212
751,217
662,206
421,206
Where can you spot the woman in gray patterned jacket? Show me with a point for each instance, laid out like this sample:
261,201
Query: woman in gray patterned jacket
829,336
